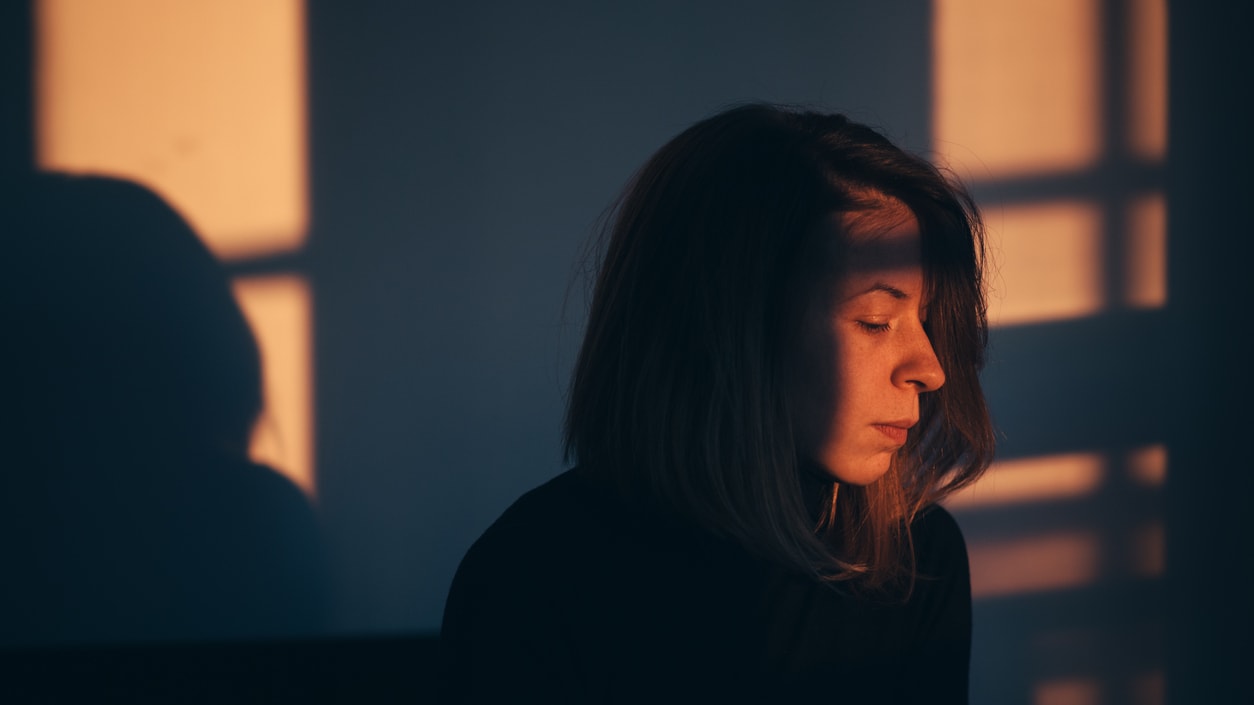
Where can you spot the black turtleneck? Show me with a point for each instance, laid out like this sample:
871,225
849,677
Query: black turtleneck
574,597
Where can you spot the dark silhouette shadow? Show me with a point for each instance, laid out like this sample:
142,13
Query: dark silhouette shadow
129,511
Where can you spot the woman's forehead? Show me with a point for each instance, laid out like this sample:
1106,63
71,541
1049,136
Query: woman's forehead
879,239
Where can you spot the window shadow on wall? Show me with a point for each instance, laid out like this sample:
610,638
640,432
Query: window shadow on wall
1066,532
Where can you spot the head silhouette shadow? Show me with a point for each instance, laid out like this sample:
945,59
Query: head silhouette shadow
132,382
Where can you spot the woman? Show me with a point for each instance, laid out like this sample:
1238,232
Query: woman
778,382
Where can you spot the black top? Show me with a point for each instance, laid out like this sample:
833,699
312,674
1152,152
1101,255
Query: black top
573,597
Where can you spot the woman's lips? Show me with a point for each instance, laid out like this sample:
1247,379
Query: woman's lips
896,433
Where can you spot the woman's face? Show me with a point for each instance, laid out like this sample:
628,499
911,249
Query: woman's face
863,357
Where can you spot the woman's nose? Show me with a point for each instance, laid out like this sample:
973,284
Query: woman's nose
920,368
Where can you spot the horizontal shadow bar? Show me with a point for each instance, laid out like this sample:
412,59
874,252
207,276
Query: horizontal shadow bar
1083,384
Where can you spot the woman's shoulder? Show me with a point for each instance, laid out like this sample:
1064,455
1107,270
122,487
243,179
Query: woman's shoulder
508,607
935,530
539,533
943,577
939,548
565,505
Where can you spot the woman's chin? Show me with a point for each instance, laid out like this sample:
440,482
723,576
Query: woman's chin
860,474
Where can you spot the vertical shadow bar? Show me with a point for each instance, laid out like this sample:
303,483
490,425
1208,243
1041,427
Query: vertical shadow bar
17,102
1211,482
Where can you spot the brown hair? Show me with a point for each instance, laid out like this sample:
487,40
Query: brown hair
679,396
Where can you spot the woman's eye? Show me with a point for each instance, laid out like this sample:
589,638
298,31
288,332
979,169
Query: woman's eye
873,327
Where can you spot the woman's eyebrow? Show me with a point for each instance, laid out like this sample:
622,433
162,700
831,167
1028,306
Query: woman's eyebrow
881,286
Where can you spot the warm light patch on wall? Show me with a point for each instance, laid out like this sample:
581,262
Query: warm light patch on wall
1048,262
1147,78
1148,550
202,101
1037,479
1016,85
1035,564
1148,689
278,309
1068,691
1148,465
1145,253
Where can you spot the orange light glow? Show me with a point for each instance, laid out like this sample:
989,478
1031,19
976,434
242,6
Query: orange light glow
204,102
278,309
1148,466
1145,253
1016,88
1036,479
1039,563
1148,551
1068,691
1147,78
1149,689
1048,262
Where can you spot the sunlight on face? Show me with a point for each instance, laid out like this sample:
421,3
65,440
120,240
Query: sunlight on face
863,357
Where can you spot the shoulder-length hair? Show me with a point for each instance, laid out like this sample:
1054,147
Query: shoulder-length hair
679,394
